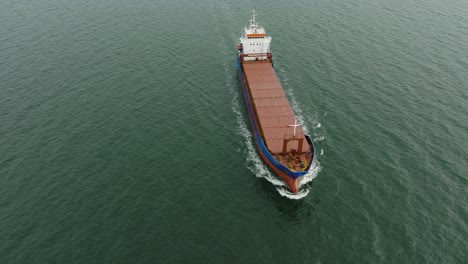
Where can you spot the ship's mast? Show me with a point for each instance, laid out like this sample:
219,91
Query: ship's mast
295,126
253,23
253,17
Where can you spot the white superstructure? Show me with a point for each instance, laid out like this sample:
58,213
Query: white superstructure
254,40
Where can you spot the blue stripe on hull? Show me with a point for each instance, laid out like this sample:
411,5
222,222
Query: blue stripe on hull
259,139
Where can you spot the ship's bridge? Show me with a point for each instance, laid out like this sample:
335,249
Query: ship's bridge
255,40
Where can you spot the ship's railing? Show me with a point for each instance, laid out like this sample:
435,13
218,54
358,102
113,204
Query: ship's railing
256,57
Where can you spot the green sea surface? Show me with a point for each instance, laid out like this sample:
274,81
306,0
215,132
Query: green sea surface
124,136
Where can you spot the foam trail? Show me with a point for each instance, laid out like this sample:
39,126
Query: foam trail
295,196
313,172
321,138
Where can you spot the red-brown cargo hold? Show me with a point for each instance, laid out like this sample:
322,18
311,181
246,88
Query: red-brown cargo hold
272,107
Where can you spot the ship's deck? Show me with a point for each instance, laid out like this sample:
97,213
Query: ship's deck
275,114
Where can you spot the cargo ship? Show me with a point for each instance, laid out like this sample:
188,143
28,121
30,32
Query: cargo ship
279,138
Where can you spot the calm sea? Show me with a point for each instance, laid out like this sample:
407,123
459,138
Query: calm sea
124,136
